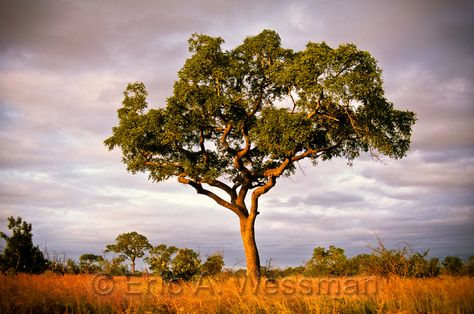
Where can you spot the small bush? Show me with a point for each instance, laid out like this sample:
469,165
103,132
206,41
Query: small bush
213,265
452,265
331,262
171,263
185,265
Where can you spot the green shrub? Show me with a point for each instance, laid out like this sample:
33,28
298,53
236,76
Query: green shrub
185,265
213,265
452,265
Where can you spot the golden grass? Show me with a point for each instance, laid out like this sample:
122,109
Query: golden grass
50,293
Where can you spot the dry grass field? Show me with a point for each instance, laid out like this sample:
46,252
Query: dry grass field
50,293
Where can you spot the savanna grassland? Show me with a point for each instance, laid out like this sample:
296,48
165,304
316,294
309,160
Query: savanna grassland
51,293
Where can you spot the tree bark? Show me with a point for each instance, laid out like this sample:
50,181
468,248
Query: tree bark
133,267
247,231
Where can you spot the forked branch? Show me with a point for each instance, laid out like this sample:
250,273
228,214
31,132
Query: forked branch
201,190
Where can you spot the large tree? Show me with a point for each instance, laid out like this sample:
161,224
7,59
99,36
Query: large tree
240,119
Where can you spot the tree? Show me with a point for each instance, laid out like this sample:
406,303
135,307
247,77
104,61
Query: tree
131,246
452,265
172,263
361,264
115,266
239,120
20,255
328,262
91,263
159,260
71,267
185,265
213,265
420,266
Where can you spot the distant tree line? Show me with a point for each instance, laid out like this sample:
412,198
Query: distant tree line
173,263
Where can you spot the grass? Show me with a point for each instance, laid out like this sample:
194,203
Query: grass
49,293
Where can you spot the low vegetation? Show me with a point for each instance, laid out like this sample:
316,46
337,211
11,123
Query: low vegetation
51,293
179,281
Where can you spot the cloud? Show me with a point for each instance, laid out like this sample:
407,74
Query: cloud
64,65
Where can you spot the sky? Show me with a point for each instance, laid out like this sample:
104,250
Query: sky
63,68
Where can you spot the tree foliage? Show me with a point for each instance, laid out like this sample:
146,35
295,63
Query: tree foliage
240,119
249,114
331,262
115,266
213,265
91,263
159,260
131,245
185,265
381,262
20,254
452,265
469,266
172,263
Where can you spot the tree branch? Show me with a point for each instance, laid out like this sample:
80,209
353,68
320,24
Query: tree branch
312,114
203,148
352,121
276,172
259,192
224,142
293,100
258,102
246,186
238,164
224,187
273,174
310,152
200,190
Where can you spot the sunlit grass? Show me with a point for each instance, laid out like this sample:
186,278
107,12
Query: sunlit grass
50,293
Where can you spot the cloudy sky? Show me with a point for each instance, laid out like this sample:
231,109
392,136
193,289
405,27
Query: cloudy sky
64,65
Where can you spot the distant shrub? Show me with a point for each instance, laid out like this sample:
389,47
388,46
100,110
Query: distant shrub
419,266
292,271
185,265
172,263
382,262
452,265
159,260
331,262
213,265
361,264
115,266
91,263
402,262
469,267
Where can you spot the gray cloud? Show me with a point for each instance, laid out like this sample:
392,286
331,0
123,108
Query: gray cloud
63,66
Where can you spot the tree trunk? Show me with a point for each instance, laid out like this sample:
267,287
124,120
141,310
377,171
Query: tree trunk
247,232
133,267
